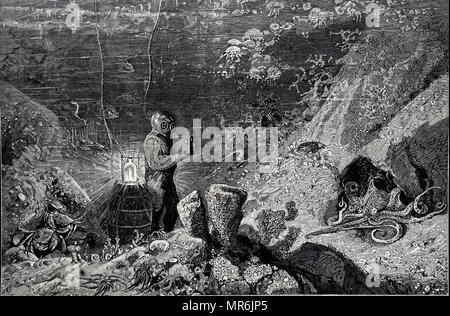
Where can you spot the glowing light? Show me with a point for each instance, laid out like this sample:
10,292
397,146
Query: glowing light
129,172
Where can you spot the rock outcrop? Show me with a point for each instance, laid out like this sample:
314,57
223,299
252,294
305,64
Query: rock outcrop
193,215
414,145
30,131
380,76
224,204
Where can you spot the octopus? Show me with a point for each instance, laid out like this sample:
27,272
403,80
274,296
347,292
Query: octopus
383,213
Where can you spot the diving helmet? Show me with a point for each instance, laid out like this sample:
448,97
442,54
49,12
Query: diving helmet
162,122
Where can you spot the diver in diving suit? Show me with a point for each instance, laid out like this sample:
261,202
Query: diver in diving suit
160,167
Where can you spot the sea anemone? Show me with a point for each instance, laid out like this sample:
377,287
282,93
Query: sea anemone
274,26
95,257
254,35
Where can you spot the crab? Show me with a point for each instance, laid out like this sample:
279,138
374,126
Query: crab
44,240
40,242
55,219
232,53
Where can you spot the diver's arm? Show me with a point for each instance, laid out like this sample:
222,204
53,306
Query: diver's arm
155,157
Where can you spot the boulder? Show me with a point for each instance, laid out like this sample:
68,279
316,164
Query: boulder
413,146
426,158
235,288
269,228
223,269
224,204
192,215
329,270
270,224
254,273
280,283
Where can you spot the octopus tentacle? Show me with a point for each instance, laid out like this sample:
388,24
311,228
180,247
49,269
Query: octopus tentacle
382,227
358,223
405,212
430,215
354,215
417,208
340,215
441,205
343,204
411,206
381,221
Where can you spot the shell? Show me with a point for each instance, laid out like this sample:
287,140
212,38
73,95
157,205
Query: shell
162,245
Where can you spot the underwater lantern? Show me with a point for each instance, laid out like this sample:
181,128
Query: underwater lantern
129,166
128,207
